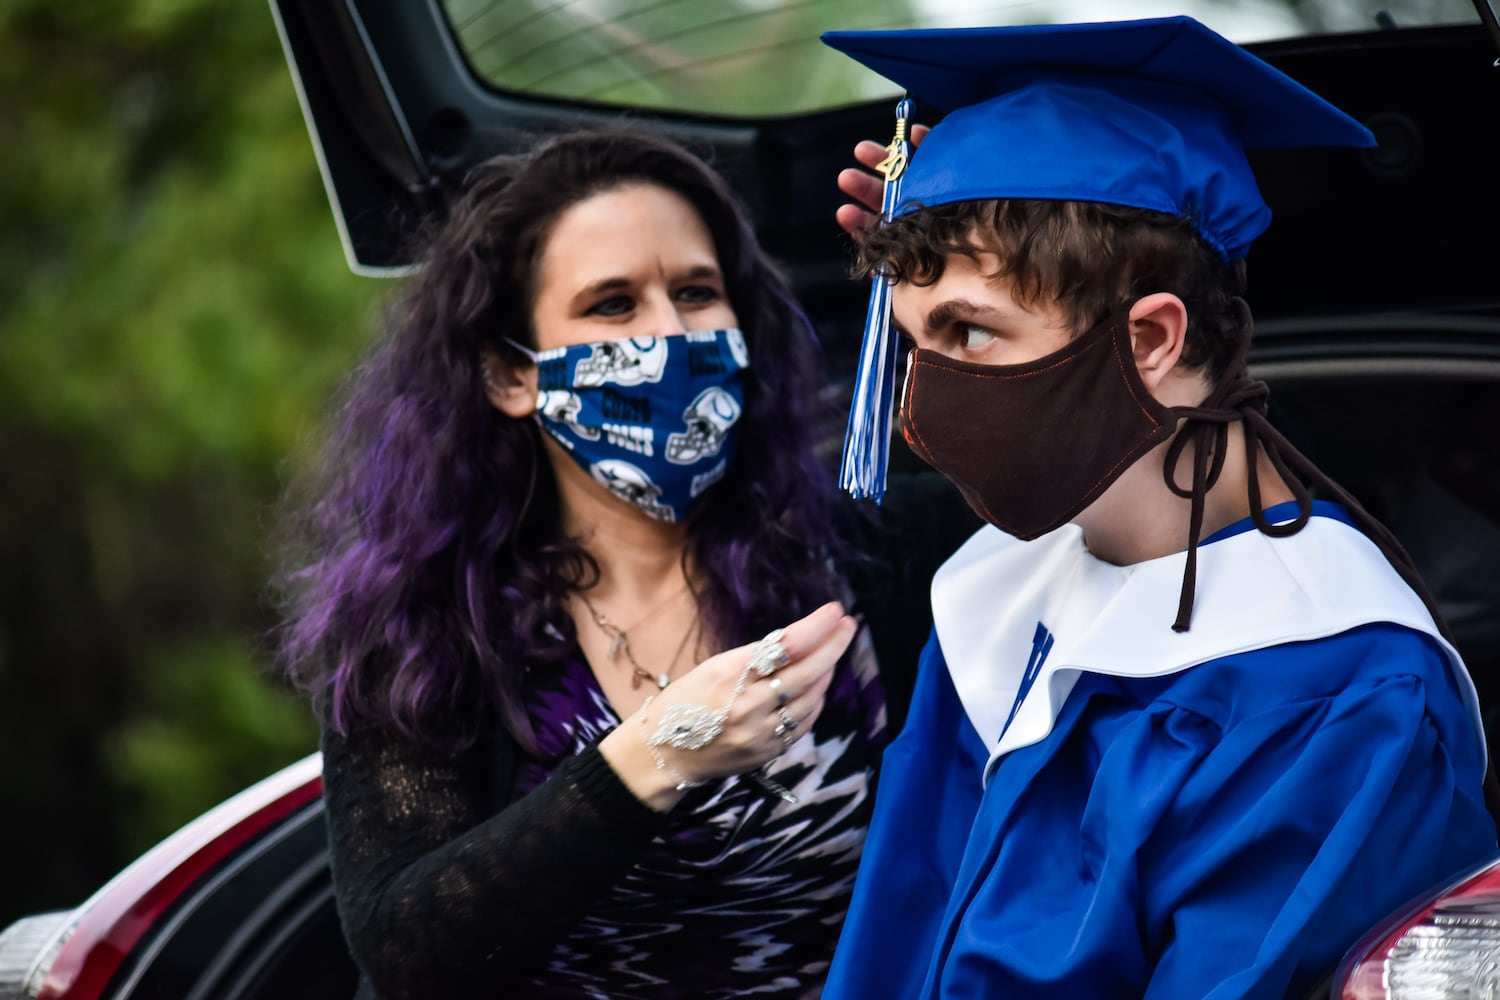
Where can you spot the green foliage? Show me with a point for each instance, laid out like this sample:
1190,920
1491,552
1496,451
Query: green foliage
176,277
174,308
213,724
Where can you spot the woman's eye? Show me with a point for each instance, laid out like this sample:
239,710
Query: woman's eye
699,294
615,305
975,338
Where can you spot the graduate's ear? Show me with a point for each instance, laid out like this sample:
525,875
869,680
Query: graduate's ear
1158,331
510,389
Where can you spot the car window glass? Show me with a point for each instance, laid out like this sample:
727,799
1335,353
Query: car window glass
745,58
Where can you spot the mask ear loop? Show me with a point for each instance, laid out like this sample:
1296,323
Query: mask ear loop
525,351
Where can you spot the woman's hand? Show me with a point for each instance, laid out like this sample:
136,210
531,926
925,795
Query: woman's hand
749,736
866,186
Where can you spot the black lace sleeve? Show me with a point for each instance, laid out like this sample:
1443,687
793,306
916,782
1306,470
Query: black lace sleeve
438,898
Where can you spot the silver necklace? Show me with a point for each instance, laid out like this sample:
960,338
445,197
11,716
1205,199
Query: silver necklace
619,642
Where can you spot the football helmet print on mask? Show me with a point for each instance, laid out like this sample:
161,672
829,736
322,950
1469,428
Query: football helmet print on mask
623,362
564,407
630,484
650,418
708,420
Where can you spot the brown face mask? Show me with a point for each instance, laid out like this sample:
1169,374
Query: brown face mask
1030,446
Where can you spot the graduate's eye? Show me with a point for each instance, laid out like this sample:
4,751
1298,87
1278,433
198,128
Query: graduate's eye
974,338
615,305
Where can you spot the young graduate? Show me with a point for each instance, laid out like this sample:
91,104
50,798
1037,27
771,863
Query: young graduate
1181,730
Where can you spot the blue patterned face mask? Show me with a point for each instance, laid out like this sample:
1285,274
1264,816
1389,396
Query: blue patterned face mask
650,418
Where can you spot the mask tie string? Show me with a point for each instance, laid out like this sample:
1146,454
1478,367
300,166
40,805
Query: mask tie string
1240,398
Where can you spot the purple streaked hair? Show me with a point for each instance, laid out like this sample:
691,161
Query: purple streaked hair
427,563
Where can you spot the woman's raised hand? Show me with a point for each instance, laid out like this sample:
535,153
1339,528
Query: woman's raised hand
734,711
754,706
866,185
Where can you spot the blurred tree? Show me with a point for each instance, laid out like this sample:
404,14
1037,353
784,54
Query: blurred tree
173,309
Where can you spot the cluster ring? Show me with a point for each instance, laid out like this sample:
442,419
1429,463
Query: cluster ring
769,654
688,727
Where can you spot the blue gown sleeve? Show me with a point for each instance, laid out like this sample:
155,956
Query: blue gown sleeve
1308,823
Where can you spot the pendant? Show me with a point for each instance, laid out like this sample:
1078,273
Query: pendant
662,680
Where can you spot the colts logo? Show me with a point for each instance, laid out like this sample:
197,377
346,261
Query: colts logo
623,362
632,485
1041,645
708,420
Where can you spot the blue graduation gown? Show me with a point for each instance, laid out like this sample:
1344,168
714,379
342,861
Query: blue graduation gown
1222,831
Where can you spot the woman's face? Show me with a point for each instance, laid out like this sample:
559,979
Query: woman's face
634,261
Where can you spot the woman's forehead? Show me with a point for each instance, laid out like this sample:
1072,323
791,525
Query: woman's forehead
629,232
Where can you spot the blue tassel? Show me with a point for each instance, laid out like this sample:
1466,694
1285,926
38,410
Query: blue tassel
867,440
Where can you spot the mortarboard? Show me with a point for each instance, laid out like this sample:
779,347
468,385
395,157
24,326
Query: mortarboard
1153,114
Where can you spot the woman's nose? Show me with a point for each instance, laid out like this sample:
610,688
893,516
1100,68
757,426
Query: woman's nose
665,316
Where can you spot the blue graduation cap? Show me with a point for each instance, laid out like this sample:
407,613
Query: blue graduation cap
1153,114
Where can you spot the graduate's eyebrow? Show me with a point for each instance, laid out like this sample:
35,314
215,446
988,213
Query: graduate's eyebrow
944,314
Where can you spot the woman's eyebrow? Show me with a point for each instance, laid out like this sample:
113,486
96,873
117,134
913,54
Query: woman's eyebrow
701,271
601,287
605,285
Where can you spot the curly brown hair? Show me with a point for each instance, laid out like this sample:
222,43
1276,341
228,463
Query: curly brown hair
1087,257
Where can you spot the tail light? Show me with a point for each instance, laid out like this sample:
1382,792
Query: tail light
1446,947
88,947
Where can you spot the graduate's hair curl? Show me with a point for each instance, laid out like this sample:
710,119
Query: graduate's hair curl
427,566
1086,257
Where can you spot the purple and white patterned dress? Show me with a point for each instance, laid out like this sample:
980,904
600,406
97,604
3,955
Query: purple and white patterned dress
743,894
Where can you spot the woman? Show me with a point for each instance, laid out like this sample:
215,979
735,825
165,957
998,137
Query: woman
564,494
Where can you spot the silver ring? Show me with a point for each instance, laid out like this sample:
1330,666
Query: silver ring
775,685
769,654
787,724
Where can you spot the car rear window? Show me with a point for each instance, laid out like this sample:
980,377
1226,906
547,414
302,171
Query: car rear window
756,58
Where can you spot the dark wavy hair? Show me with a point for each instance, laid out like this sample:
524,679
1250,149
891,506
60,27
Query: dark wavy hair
1086,257
426,564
